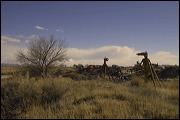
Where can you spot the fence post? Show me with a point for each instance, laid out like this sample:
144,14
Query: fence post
27,75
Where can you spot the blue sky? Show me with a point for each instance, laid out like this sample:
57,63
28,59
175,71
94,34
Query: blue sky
86,25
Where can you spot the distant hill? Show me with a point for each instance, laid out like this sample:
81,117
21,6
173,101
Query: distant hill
7,64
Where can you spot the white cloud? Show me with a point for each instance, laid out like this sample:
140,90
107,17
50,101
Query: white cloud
32,37
9,40
20,36
5,39
40,28
116,54
123,56
27,37
27,41
2,41
8,53
60,30
165,58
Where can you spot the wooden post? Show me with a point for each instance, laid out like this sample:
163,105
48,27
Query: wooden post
105,73
156,75
151,73
27,75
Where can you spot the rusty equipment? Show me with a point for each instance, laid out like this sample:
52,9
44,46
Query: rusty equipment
148,68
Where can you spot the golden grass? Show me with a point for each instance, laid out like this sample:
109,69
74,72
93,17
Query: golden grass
64,98
11,69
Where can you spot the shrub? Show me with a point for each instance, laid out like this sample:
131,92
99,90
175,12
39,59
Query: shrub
75,76
137,81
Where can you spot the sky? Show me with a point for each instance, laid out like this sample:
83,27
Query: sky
95,29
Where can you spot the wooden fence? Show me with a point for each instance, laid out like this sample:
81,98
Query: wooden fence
11,69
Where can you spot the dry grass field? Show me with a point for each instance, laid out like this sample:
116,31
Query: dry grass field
65,98
10,69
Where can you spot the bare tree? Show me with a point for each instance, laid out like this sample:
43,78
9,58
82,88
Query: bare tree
43,54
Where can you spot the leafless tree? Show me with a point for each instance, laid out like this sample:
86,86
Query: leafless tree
43,54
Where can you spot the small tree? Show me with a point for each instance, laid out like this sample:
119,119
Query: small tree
43,54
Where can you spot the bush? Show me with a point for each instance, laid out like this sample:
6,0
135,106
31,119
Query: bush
138,81
75,76
11,99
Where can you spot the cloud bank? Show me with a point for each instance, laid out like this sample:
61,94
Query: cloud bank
123,56
8,53
5,39
118,55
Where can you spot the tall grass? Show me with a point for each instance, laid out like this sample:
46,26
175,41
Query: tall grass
64,98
